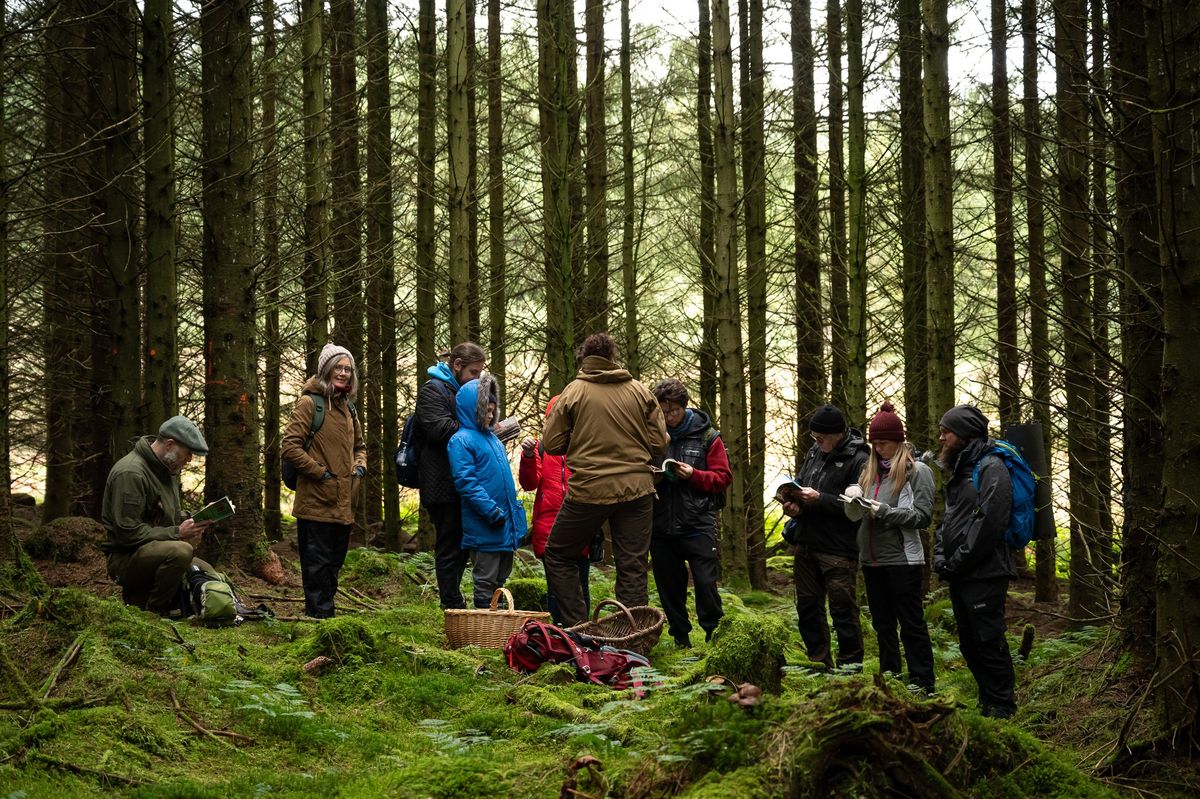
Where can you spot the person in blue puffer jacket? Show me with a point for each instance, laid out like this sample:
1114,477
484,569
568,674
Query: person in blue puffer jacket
493,517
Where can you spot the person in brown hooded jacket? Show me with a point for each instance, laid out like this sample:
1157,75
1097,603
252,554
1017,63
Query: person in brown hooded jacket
327,475
611,429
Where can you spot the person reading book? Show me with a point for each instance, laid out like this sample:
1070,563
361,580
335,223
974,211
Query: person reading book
150,545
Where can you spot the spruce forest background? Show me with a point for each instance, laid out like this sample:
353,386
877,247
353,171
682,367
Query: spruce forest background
196,197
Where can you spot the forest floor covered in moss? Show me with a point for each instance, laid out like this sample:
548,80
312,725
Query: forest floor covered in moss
99,699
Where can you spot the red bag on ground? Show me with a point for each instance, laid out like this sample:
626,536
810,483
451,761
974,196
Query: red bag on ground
537,643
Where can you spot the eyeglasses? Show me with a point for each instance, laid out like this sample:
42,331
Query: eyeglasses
821,438
343,370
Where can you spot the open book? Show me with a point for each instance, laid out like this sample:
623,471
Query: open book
667,468
214,511
862,502
788,492
507,429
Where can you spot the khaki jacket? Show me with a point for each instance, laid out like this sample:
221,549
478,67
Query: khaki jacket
611,430
337,447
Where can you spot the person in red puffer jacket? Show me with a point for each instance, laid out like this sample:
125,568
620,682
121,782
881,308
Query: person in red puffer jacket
547,475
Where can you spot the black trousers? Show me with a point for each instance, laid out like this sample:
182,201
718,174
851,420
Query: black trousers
979,613
670,557
818,576
450,561
895,597
323,548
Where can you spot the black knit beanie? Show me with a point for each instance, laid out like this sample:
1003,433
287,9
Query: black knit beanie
827,419
965,421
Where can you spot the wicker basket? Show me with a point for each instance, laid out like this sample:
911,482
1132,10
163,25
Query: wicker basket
636,629
490,627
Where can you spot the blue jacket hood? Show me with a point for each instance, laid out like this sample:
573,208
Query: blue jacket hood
441,371
470,408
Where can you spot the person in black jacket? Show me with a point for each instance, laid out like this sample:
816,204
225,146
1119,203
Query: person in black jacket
970,554
437,422
826,560
684,531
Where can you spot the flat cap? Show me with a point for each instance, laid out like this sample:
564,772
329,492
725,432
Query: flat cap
185,432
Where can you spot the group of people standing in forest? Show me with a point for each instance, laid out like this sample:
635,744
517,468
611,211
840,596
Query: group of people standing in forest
652,469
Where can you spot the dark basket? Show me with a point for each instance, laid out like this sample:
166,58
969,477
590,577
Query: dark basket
637,629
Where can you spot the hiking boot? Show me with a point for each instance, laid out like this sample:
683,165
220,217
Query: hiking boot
682,641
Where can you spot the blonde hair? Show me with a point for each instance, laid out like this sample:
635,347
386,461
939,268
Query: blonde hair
903,466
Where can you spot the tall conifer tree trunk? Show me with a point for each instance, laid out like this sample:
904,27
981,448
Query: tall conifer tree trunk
1088,599
1007,356
426,273
939,210
728,306
556,49
755,203
474,300
1173,61
9,544
497,263
271,278
629,288
459,156
595,312
1141,336
347,216
160,387
912,226
1046,587
230,387
856,308
316,182
839,256
381,340
707,248
810,350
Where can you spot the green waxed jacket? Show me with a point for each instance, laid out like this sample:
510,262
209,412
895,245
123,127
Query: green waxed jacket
141,501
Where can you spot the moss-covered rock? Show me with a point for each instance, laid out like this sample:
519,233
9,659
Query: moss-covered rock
63,540
529,593
749,648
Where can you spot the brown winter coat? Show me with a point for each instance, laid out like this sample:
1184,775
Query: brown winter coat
611,429
337,447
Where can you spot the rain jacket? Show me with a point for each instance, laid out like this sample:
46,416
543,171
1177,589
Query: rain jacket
493,516
611,429
823,526
893,536
547,475
437,422
970,540
141,501
337,448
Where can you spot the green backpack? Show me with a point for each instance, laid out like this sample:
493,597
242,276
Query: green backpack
209,597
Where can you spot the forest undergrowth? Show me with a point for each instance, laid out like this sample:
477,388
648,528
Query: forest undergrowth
99,699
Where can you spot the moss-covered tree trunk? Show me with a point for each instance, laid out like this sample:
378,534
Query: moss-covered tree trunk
458,154
1141,318
230,386
732,382
594,314
810,335
160,382
707,244
497,261
856,181
272,275
912,226
1173,61
316,182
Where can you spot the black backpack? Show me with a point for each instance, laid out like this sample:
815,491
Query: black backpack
408,453
287,469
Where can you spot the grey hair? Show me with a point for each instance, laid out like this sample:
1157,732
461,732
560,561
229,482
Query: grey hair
487,393
325,379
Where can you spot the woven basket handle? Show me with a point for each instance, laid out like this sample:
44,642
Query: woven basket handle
507,598
618,606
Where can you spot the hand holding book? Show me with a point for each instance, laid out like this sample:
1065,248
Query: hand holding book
214,511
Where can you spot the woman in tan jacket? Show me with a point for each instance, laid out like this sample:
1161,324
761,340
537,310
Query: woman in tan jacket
328,470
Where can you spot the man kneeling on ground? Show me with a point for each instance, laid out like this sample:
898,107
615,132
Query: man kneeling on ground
149,548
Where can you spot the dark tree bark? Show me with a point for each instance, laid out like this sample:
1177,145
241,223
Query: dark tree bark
1046,586
272,276
230,386
839,258
474,301
1141,324
346,182
497,263
856,179
381,340
426,274
1173,61
810,349
1007,356
594,313
458,169
1088,591
160,387
707,248
912,226
629,288
316,183
755,207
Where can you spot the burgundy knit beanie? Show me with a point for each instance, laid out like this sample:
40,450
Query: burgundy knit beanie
886,425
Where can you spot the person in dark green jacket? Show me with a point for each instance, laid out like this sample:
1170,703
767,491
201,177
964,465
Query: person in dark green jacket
149,544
